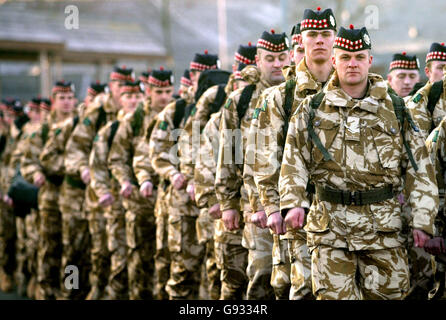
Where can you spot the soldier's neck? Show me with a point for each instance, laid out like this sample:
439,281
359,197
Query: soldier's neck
357,91
319,70
61,116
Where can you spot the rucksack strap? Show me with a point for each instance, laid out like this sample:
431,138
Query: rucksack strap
180,106
289,98
243,103
102,118
434,96
314,104
138,119
75,122
44,133
219,99
188,111
113,130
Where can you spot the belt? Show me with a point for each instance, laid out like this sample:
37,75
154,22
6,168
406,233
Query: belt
358,198
55,179
75,182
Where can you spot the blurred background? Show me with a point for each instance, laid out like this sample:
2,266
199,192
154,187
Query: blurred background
43,41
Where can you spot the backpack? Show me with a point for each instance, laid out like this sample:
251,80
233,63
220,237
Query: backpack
245,99
210,78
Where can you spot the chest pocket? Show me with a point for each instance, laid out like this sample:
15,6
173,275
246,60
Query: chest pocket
326,130
388,143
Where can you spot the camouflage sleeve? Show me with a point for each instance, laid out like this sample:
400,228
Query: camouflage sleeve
270,138
78,150
161,144
204,175
294,172
52,156
99,173
30,163
436,146
417,107
121,152
421,184
141,162
227,182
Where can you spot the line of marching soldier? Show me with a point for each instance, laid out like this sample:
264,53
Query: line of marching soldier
300,175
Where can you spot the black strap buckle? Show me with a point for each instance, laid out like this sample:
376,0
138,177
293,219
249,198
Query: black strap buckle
353,197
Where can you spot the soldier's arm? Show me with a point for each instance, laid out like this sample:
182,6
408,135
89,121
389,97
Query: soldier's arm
29,163
99,173
161,143
204,175
52,156
227,182
417,107
420,184
294,172
121,150
78,150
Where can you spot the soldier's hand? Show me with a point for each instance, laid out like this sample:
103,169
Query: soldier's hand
146,189
215,211
8,200
85,176
191,191
106,200
231,219
420,238
38,179
259,219
126,189
435,246
295,218
276,223
178,181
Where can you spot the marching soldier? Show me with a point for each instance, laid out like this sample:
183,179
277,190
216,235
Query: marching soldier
276,108
272,55
185,251
353,141
403,74
139,216
109,246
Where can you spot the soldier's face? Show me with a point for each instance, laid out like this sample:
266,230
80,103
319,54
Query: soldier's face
435,72
34,115
318,45
403,81
297,54
270,65
194,76
352,67
161,96
64,102
88,99
129,101
114,86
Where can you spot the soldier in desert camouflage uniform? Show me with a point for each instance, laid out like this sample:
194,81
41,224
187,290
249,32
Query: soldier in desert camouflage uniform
272,55
103,109
185,251
48,176
139,216
108,235
348,141
276,108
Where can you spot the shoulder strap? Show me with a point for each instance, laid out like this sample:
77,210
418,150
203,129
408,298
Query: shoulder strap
44,132
102,118
219,99
288,105
138,119
113,130
243,103
75,122
314,105
434,95
402,115
180,106
188,111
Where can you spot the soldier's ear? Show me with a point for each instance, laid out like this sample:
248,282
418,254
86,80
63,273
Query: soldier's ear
389,78
427,72
333,60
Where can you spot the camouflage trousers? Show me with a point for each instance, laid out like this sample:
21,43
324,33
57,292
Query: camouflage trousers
162,255
76,241
421,273
118,281
7,241
210,283
140,235
21,274
259,242
99,254
186,253
232,260
32,240
300,272
281,269
339,274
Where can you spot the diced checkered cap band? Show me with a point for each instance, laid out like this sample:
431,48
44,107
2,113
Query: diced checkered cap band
436,55
348,44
